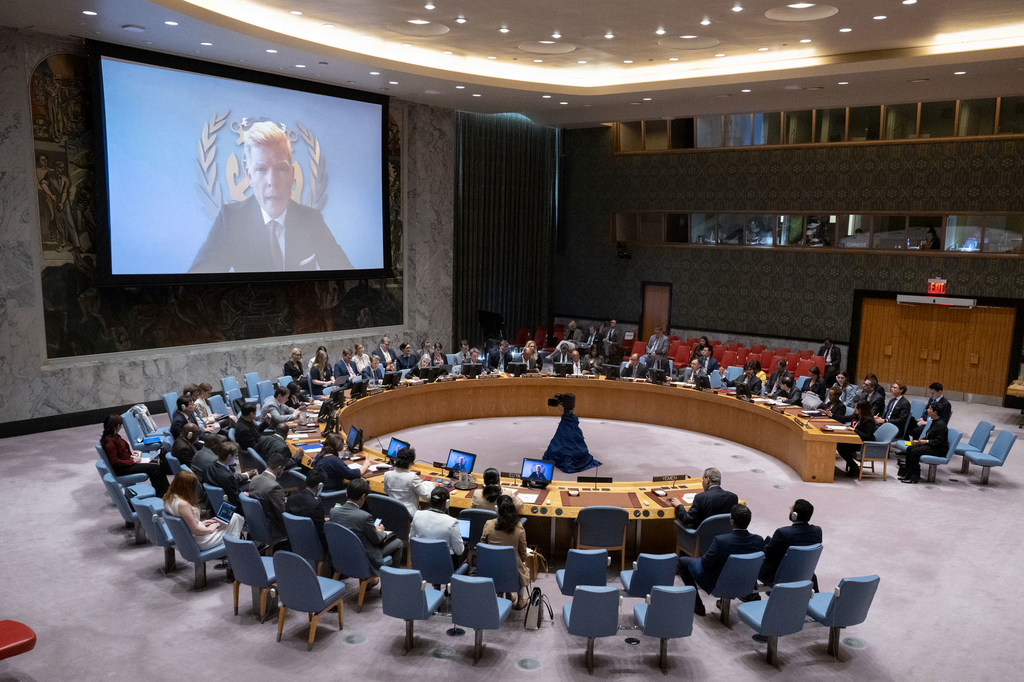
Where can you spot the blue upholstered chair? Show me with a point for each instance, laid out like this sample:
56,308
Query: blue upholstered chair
116,493
733,372
782,614
249,568
256,521
649,570
135,435
666,613
477,518
304,540
392,513
189,549
603,528
405,595
173,463
995,457
283,381
798,564
433,560
228,384
978,441
215,495
137,489
900,446
170,402
349,558
694,541
475,605
845,607
149,512
252,383
127,479
300,589
877,450
716,380
500,564
583,567
593,612
737,579
217,405
933,461
264,390
252,460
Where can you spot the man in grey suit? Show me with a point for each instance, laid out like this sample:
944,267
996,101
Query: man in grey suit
657,351
612,337
377,542
270,495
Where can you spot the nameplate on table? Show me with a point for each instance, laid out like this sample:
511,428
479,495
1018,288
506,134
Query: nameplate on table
668,478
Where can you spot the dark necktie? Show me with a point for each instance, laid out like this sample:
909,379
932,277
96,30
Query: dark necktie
276,229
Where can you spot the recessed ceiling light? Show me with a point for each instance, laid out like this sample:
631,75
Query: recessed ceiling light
460,19
720,54
538,61
406,44
609,35
805,40
88,13
392,82
705,21
546,42
627,61
296,12
271,51
745,90
328,25
688,37
909,2
206,44
300,66
429,6
918,80
660,31
648,99
171,23
582,61
375,73
477,94
843,83
133,28
845,30
418,22
879,17
545,96
563,102
762,49
460,87
800,5
447,52
737,7
556,35
491,57
673,59
959,73
503,29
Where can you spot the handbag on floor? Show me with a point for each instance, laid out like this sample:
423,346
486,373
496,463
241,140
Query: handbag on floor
534,561
535,611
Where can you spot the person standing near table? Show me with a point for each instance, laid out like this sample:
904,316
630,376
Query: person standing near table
833,359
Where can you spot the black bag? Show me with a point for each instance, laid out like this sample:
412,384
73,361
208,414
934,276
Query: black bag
535,610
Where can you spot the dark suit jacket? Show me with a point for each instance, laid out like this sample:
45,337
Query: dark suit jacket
775,547
943,408
239,241
722,547
714,500
220,476
384,358
833,356
178,421
494,358
898,415
344,372
270,494
777,376
712,365
304,504
183,450
360,522
408,362
370,375
247,434
638,372
270,444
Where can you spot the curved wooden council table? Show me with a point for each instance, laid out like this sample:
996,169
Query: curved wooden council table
804,445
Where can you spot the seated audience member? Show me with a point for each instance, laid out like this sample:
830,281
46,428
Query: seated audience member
573,334
186,413
689,374
499,358
833,359
800,533
305,503
532,360
182,500
868,393
787,392
833,406
815,384
248,431
707,361
592,361
406,358
360,359
275,443
296,398
123,460
863,423
879,392
377,542
758,372
464,351
436,524
275,408
703,571
849,391
589,339
185,445
714,500
474,357
780,373
266,489
373,374
506,531
698,348
321,374
942,407
201,393
337,473
578,367
313,359
222,475
748,379
345,370
487,496
935,443
422,368
387,357
897,410
205,459
438,358
633,368
404,485
657,350
612,337
293,366
563,352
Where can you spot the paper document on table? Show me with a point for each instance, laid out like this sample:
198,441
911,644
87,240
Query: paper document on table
833,427
688,498
528,498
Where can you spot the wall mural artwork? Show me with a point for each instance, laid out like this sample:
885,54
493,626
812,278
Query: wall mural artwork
83,318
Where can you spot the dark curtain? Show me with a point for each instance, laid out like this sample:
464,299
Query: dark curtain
505,215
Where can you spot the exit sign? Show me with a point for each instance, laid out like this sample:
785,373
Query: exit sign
936,287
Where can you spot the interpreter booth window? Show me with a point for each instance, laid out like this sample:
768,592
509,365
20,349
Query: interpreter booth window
963,233
759,230
626,226
1011,115
682,133
709,132
652,228
790,230
924,232
631,136
799,127
731,228
889,232
677,228
655,135
736,131
853,231
977,117
767,128
820,231
865,124
703,228
1003,234
937,119
831,125
900,121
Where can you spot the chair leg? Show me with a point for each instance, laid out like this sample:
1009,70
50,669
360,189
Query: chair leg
726,605
362,593
234,590
264,593
341,614
833,641
984,475
663,654
589,656
200,580
140,534
314,618
408,635
965,466
280,620
169,559
478,645
932,468
773,648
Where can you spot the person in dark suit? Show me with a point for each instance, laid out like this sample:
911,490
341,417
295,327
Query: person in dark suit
787,392
748,379
374,374
563,353
247,430
406,359
612,336
633,368
186,444
276,443
864,425
833,406
703,571
942,407
305,503
499,358
689,375
377,542
387,357
707,361
345,370
815,384
833,359
186,413
532,360
780,373
657,350
269,231
221,475
714,500
936,444
897,410
270,495
800,533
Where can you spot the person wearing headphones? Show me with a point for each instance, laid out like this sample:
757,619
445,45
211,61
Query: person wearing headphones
187,444
800,532
436,523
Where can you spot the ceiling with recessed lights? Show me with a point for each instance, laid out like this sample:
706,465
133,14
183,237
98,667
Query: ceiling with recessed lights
584,62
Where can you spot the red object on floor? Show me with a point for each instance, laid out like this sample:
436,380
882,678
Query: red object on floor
15,638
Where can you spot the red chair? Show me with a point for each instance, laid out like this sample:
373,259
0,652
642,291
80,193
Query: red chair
728,359
757,348
672,337
15,638
522,336
559,332
673,346
805,354
819,362
792,362
682,357
768,360
540,337
803,368
782,351
735,345
692,342
717,352
741,355
639,347
715,343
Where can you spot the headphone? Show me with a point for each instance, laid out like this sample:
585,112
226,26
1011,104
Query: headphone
190,436
793,517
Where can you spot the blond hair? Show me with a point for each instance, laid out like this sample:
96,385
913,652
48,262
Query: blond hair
265,133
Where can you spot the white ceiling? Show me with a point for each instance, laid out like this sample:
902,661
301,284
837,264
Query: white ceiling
911,55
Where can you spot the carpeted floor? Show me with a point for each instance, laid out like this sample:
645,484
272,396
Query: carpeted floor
103,609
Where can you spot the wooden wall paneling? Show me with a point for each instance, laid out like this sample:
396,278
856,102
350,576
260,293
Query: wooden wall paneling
990,338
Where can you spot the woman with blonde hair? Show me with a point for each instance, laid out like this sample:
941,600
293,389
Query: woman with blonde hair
321,374
182,499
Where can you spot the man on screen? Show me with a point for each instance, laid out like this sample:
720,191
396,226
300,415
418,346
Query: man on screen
268,232
537,474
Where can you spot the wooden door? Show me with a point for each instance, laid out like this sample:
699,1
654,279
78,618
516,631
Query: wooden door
656,306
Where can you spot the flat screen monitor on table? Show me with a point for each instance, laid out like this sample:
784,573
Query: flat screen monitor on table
393,448
460,461
537,470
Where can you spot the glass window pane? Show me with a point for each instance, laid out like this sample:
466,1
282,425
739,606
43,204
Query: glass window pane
702,228
798,127
682,133
889,232
900,121
924,232
963,233
821,230
731,228
1011,115
737,130
655,134
977,117
831,125
1003,234
791,230
768,128
625,226
864,123
677,228
709,131
937,119
652,230
631,136
854,231
759,230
